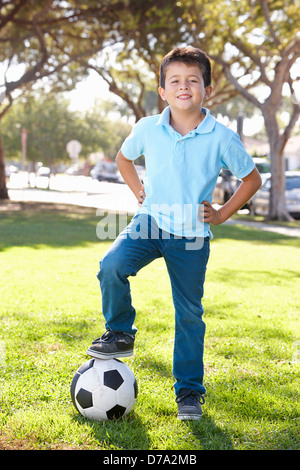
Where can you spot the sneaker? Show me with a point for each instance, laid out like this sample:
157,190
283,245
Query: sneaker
189,404
111,345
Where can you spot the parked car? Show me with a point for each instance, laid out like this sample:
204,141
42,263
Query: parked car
141,171
227,183
43,171
105,171
259,204
225,187
262,165
10,169
108,171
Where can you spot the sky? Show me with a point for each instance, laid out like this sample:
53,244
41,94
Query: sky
87,91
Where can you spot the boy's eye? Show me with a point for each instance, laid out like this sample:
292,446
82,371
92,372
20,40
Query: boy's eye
192,80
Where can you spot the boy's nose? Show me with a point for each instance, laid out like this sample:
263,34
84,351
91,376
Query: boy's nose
184,86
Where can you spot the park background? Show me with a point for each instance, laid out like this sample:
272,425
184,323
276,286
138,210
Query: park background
50,306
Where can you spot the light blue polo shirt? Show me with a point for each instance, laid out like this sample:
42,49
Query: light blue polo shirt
182,171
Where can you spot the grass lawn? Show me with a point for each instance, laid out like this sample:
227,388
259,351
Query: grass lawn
50,310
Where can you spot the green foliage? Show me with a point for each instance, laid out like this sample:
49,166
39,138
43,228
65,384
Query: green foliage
50,311
51,125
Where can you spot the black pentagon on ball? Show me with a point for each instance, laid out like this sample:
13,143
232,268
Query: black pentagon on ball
116,412
84,398
113,379
87,365
136,389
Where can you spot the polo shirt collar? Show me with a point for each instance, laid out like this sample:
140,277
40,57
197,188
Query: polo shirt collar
206,126
164,117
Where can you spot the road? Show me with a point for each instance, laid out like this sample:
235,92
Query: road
87,192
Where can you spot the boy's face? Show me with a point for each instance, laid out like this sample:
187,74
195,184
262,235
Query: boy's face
184,87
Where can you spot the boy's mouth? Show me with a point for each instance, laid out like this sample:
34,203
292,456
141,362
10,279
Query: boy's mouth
184,96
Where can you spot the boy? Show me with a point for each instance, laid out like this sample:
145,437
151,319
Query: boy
185,149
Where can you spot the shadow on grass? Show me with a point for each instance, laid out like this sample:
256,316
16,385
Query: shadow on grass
210,436
131,433
128,433
55,225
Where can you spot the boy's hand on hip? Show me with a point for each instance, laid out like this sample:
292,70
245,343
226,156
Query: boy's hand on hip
208,213
141,196
250,184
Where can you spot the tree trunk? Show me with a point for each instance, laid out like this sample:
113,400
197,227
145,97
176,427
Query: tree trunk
277,206
3,188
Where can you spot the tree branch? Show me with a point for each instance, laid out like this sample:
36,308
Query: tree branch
9,17
293,118
6,108
113,87
244,91
266,12
249,52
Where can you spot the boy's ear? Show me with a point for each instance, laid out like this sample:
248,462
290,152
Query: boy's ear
208,92
162,93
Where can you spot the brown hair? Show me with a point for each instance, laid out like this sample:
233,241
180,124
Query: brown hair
188,55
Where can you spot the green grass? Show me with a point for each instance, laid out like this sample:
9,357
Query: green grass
50,310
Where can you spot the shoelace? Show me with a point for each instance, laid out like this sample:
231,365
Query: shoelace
107,336
190,397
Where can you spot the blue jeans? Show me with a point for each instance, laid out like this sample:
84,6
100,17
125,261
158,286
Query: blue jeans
140,243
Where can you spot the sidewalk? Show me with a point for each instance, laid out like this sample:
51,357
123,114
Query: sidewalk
289,231
79,191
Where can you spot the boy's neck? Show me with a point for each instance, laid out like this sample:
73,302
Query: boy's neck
183,123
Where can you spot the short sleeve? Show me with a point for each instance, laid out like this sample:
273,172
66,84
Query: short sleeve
133,146
236,159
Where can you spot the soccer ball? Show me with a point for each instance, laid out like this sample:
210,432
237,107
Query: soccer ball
104,389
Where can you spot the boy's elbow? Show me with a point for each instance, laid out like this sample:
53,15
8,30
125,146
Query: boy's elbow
258,180
119,157
255,179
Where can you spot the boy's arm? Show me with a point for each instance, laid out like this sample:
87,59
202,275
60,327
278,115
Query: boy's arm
130,176
250,184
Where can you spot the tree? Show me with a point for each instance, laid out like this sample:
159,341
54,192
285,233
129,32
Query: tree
255,48
254,44
257,45
131,65
101,132
51,125
45,38
49,35
128,77
131,68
